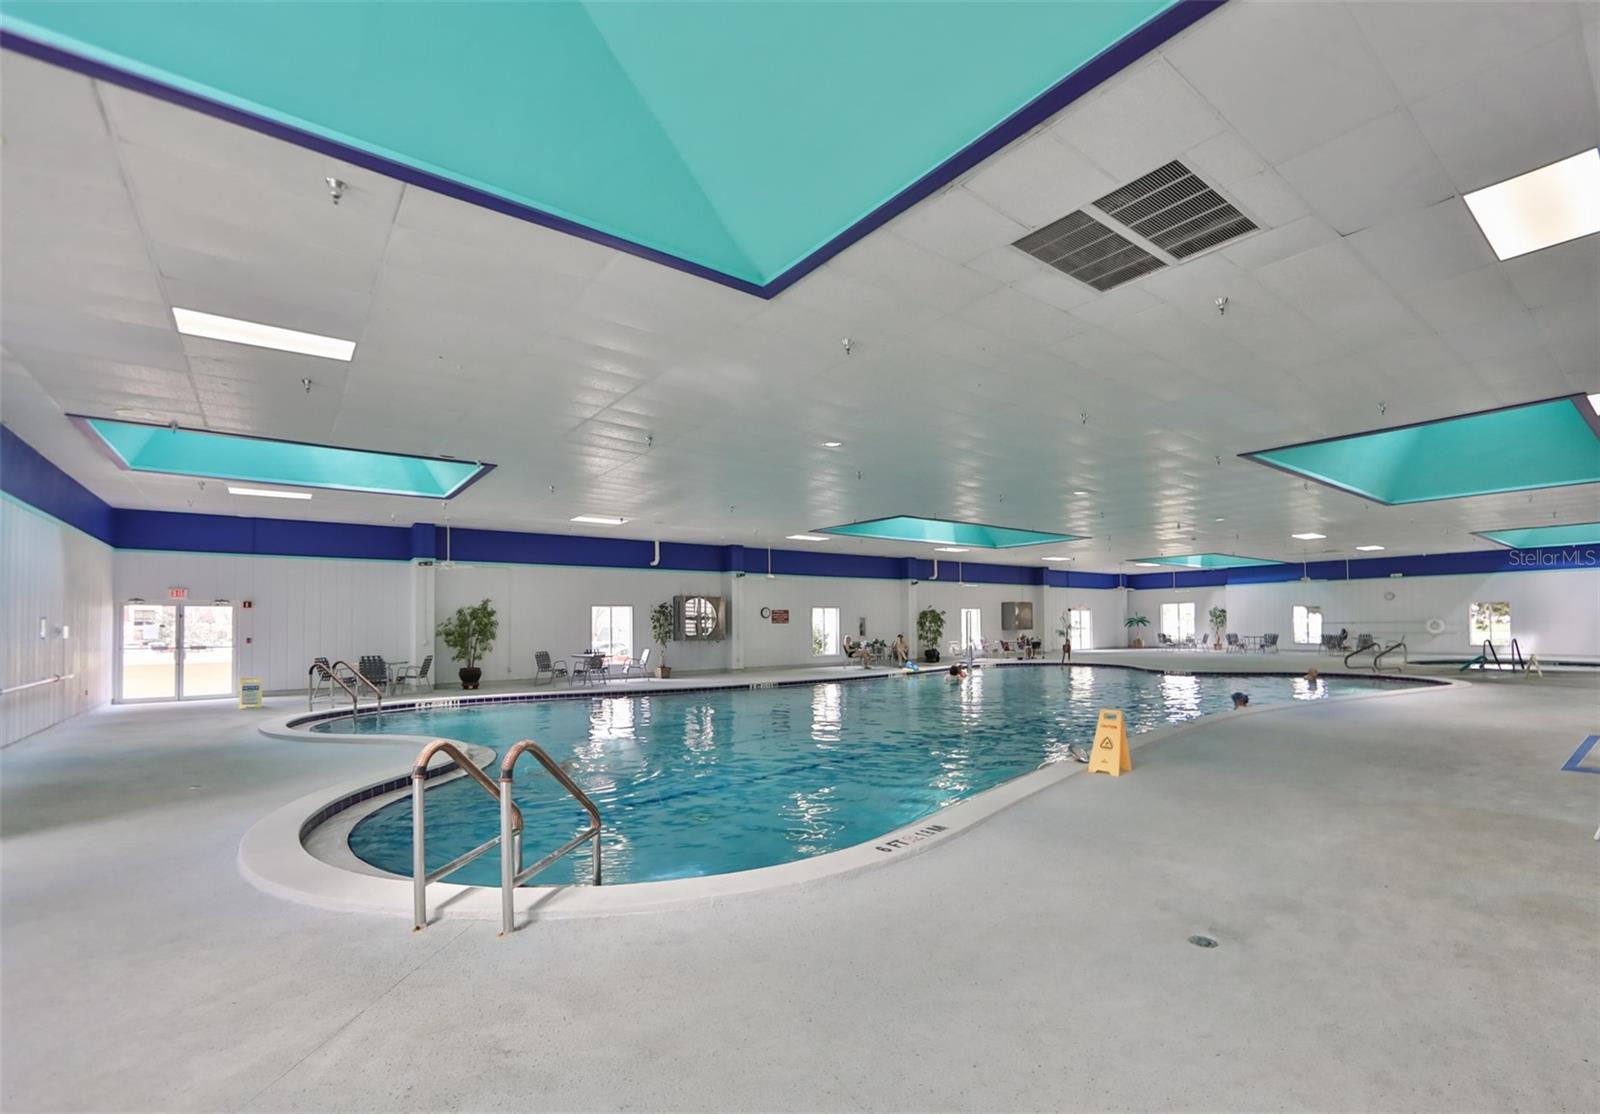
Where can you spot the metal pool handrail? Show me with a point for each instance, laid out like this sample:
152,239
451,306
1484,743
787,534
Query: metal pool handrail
314,678
511,874
361,678
420,875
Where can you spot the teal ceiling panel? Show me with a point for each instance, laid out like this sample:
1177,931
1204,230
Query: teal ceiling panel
908,528
1206,561
1546,537
745,141
1553,443
140,447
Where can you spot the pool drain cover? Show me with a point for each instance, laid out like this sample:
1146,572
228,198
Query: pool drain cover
1203,941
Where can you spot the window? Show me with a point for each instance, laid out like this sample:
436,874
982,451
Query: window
1081,628
971,629
611,631
1308,624
1177,621
1489,622
825,632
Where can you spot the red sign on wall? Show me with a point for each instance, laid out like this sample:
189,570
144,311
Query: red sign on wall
177,593
780,615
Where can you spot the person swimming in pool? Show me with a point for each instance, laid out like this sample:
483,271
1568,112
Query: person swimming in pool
1240,699
957,672
1312,676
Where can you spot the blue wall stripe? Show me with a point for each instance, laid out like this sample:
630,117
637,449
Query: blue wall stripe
30,478
27,476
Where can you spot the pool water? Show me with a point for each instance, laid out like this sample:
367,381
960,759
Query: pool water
713,782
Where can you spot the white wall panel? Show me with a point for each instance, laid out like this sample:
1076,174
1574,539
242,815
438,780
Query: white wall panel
54,572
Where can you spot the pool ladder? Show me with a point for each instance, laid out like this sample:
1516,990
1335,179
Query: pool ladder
321,671
512,872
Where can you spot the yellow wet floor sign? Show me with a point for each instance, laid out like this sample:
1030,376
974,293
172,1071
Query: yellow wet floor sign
1110,745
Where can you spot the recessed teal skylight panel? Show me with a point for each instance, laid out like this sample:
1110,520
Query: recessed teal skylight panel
737,137
906,528
1554,443
224,456
1206,561
1546,537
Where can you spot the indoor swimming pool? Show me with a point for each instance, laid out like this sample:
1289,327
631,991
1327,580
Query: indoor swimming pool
718,781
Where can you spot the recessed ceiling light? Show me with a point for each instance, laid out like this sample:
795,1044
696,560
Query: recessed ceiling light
265,493
832,444
196,324
1080,493
1147,564
807,538
1369,548
1541,208
1308,537
1219,520
1055,558
949,549
599,519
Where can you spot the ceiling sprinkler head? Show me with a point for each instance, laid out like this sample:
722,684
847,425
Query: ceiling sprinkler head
306,383
336,189
1222,306
847,345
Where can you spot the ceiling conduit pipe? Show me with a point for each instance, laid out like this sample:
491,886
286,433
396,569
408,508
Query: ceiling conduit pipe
656,560
935,575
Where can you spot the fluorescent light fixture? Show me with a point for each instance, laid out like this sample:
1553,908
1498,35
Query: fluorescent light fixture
1541,208
1080,493
832,444
599,519
807,538
1310,536
1219,520
193,323
1368,548
265,493
949,549
1055,558
1147,564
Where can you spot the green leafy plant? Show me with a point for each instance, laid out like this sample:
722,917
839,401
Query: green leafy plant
1219,621
661,626
470,633
1134,621
930,627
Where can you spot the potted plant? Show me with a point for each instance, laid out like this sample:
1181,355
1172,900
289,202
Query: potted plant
1135,624
1219,623
661,630
930,628
1064,632
469,634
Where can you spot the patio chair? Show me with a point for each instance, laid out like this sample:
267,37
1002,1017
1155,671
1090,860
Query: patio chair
1269,642
640,665
588,666
413,676
542,665
1166,642
1234,643
376,670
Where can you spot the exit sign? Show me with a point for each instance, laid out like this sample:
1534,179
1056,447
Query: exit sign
177,593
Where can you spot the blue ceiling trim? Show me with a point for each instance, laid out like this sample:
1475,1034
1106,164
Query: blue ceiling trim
28,477
183,532
1103,66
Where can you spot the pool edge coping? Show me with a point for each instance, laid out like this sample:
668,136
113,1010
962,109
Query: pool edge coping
274,858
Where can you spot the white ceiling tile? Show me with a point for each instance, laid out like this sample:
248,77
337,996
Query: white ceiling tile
1007,264
891,262
958,225
1323,79
1424,246
1524,114
1146,119
1055,288
1279,243
1380,170
1038,180
1426,47
1015,315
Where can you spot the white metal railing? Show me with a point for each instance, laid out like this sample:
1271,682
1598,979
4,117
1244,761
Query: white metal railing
421,876
54,680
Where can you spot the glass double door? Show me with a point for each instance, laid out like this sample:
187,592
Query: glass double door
173,651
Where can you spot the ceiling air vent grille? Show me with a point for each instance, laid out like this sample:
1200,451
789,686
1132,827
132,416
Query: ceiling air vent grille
1082,247
1175,211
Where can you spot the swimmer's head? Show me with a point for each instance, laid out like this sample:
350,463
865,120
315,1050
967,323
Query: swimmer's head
1240,699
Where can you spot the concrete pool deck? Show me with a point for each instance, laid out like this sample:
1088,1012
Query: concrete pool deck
1403,890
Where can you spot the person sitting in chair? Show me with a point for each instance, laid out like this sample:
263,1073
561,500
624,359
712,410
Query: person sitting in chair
901,650
855,649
